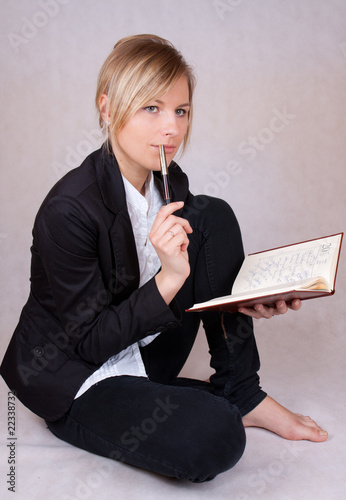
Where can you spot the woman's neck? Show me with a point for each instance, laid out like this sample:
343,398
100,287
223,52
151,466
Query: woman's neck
138,182
136,176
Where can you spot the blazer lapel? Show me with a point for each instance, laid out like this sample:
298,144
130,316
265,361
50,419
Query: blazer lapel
126,272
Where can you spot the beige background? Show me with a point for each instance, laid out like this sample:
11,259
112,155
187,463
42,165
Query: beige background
268,136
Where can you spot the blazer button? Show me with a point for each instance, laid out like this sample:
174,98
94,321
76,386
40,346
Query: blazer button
38,351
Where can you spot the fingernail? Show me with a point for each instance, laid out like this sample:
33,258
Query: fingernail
323,433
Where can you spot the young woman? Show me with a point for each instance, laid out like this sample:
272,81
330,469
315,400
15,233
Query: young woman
104,334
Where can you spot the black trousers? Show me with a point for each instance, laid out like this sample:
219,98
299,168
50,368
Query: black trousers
178,427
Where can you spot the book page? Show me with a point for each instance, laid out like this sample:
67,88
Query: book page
290,264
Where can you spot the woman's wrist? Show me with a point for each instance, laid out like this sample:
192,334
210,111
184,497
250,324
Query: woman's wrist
168,286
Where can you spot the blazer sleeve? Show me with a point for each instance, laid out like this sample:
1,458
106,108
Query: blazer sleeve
66,240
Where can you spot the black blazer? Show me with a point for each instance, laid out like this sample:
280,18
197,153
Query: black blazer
84,304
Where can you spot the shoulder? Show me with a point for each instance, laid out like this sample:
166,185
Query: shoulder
75,201
79,190
78,180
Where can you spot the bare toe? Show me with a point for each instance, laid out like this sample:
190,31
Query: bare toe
306,428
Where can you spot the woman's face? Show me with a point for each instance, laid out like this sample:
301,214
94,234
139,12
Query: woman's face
161,121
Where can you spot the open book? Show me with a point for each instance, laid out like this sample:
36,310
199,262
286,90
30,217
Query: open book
301,271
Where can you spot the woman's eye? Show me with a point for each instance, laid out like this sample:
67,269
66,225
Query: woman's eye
151,109
181,112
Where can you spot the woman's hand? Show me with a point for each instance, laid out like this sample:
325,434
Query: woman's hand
260,311
169,238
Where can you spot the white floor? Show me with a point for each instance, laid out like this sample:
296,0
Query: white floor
303,367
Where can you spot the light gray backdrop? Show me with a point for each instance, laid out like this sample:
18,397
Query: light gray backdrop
268,136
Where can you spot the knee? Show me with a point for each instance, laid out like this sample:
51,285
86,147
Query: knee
214,212
220,448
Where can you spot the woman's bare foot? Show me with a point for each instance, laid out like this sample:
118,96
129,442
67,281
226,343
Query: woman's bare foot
272,416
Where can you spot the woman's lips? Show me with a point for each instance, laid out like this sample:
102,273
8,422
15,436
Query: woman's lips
168,149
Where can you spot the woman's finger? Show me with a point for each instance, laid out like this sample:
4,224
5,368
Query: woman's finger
168,224
260,311
165,212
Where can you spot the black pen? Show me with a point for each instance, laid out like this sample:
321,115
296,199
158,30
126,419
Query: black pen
164,172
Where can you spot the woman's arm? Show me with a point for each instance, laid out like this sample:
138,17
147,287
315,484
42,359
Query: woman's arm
97,323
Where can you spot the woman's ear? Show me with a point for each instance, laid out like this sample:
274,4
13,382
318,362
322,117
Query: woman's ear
103,107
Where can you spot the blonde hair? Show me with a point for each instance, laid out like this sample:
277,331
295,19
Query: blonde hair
140,69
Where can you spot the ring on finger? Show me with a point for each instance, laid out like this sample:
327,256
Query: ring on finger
171,232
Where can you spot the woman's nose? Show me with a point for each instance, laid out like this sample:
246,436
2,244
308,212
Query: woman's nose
169,125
